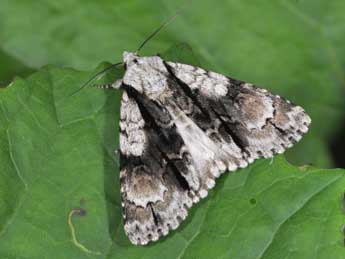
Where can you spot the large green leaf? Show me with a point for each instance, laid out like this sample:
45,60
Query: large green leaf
294,48
57,157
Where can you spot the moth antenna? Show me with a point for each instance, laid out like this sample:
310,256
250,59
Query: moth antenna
95,76
178,12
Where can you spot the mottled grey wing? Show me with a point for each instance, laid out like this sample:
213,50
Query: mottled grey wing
232,112
173,149
155,195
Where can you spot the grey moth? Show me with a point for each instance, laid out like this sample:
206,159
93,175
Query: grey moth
181,127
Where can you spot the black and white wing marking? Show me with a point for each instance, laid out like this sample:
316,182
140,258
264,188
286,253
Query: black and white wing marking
259,123
154,193
175,144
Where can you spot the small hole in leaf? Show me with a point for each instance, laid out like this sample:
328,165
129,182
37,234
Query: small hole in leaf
252,201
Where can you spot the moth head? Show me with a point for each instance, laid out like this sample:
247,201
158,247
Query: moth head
130,58
147,75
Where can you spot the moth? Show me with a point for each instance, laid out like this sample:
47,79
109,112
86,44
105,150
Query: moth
181,127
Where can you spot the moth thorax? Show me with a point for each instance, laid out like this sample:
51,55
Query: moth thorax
147,75
129,57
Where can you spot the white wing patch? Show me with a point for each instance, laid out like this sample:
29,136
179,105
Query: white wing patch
132,135
210,158
210,84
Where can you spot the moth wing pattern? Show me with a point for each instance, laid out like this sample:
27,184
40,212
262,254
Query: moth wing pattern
256,121
154,200
174,145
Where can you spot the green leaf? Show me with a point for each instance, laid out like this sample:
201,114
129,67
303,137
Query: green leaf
59,188
293,47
